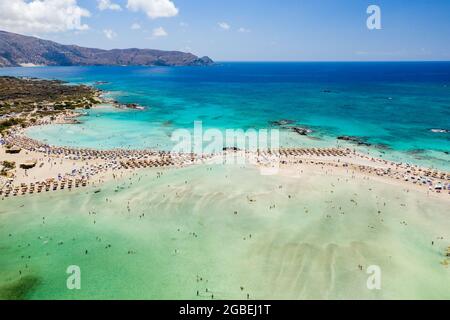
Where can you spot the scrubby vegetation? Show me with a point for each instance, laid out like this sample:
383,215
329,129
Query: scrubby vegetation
25,95
9,165
6,166
8,123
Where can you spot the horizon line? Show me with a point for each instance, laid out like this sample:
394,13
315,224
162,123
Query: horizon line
332,61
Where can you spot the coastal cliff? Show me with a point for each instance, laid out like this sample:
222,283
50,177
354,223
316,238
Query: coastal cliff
18,50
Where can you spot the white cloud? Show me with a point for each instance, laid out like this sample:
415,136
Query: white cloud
154,8
224,25
135,26
243,30
159,32
110,34
108,5
42,16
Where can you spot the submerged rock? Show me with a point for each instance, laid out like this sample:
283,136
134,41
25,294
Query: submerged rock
19,289
301,131
416,151
382,146
288,125
282,122
357,140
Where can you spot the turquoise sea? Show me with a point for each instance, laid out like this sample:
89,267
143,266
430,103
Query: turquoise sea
226,231
392,106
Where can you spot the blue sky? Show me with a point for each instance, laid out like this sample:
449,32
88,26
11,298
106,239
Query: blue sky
257,30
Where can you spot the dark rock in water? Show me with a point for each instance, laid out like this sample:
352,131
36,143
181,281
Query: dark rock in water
327,91
416,151
446,152
287,124
382,146
346,138
301,131
363,143
283,122
358,141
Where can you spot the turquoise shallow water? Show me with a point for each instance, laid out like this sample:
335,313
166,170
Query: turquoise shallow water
195,230
391,105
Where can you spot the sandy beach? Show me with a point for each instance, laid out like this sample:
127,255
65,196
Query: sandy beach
89,165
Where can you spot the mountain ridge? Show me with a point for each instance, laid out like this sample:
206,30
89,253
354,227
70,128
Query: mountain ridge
18,50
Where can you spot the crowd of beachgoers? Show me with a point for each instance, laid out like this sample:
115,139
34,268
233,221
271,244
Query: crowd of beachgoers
67,168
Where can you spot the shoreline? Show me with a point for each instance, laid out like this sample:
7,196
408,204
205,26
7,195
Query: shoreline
56,166
432,159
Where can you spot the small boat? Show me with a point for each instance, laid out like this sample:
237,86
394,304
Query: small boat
440,131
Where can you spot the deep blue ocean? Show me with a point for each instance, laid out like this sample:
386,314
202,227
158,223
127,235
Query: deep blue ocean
392,105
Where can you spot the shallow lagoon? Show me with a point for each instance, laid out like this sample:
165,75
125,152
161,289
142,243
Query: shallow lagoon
211,228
